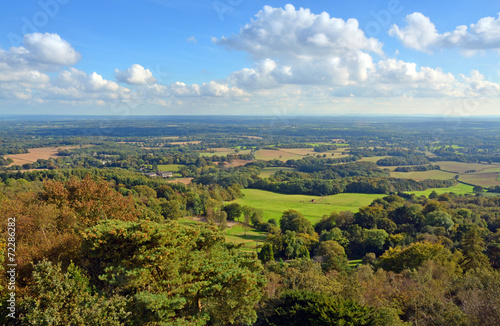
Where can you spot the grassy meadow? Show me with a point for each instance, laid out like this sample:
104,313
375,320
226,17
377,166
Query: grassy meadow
267,172
422,175
459,189
170,167
274,204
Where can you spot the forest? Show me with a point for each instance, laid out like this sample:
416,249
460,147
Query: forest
94,235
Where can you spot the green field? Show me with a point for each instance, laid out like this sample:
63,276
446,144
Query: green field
482,179
459,189
250,239
373,159
461,167
418,176
169,167
224,152
274,204
267,172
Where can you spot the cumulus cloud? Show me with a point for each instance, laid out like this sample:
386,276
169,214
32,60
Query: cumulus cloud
295,46
71,85
135,75
285,32
396,77
78,84
352,68
50,49
180,90
24,68
421,34
479,86
332,57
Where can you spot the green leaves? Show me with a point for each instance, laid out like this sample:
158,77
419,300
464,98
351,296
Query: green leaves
175,273
310,308
67,299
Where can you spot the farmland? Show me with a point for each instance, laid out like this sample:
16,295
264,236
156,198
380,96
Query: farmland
170,167
460,167
267,172
35,154
236,163
459,189
480,174
432,174
223,151
483,179
285,154
274,204
372,159
179,180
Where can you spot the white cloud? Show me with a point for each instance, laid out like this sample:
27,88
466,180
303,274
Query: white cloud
421,34
479,86
278,32
41,52
319,56
78,85
295,46
22,75
135,75
180,90
50,49
22,69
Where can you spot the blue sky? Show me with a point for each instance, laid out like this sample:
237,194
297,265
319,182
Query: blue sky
249,57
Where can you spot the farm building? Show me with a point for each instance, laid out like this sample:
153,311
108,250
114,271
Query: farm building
164,175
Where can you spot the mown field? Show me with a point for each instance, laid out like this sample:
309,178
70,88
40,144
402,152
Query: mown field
372,159
485,175
285,154
180,180
267,172
223,151
460,167
419,176
459,189
483,179
274,204
281,154
35,154
169,167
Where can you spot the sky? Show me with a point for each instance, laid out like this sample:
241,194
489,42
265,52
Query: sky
250,57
